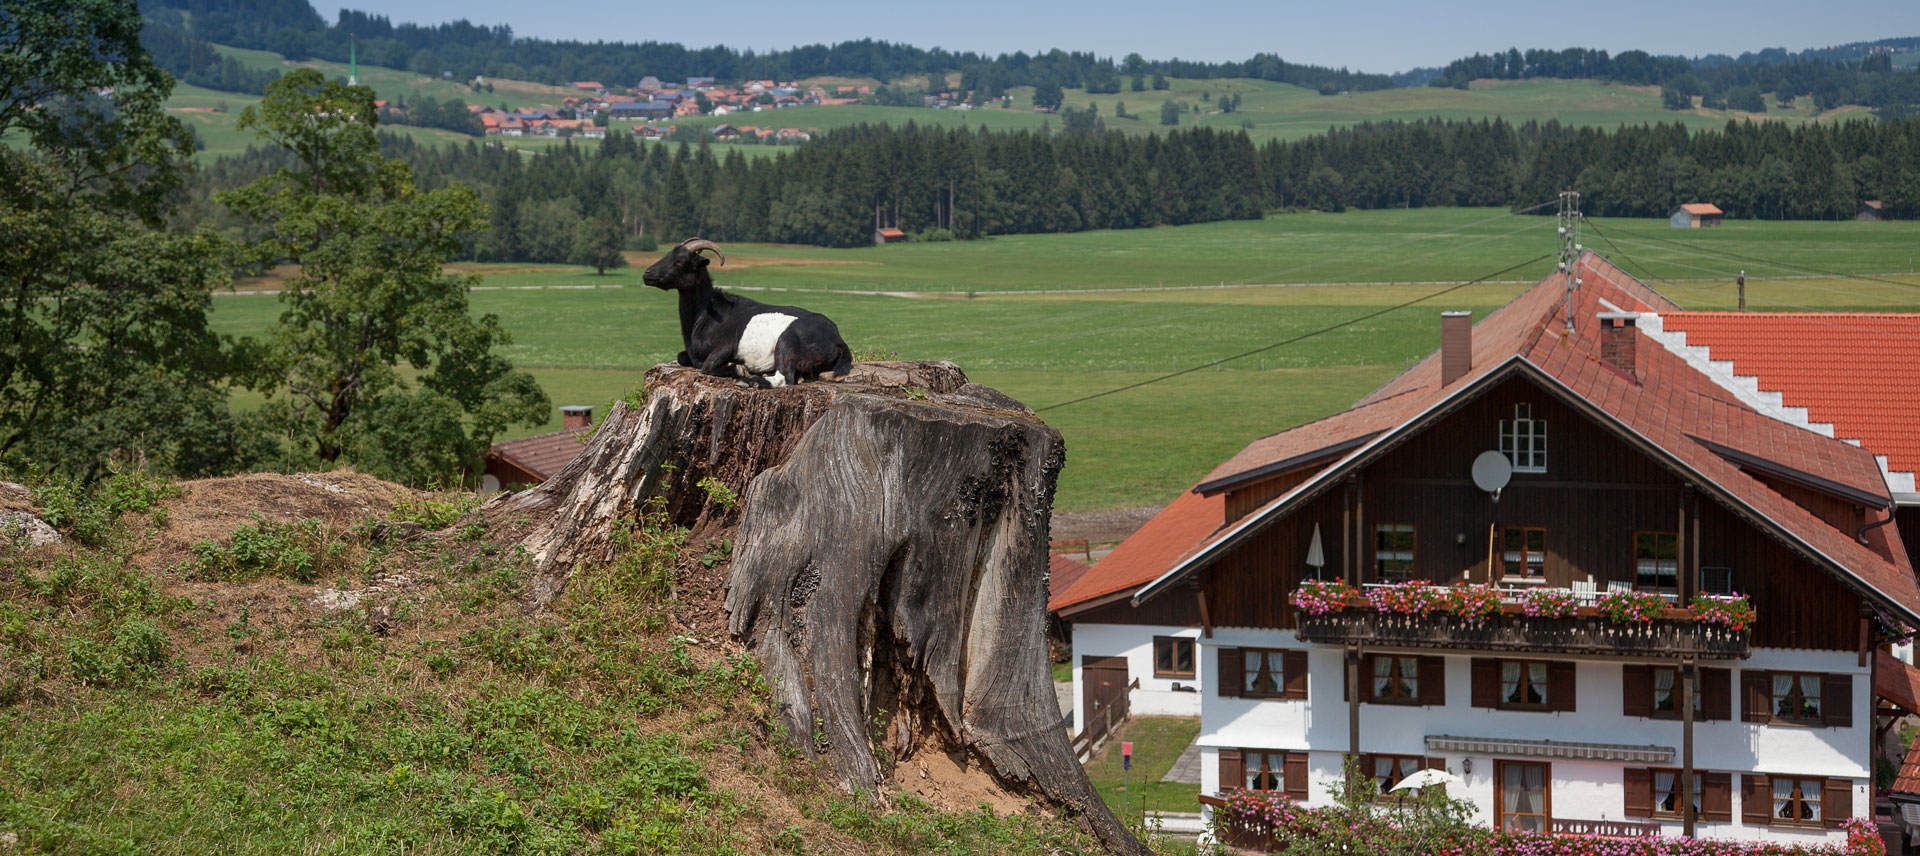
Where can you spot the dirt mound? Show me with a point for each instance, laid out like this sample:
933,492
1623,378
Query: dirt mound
214,508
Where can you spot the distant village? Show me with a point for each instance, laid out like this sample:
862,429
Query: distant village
653,105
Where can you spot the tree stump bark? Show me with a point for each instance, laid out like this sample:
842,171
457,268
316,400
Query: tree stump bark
890,558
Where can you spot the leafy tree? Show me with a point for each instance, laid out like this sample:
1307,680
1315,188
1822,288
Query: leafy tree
1169,112
1048,95
105,351
1139,84
370,294
1675,97
1747,98
598,241
1159,82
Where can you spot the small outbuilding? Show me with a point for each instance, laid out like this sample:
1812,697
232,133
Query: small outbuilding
889,236
1870,210
1695,215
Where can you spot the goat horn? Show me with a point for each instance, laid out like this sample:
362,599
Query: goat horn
695,245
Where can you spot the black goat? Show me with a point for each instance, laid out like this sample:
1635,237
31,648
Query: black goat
730,336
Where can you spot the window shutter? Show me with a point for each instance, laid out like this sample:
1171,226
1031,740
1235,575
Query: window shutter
1486,682
1639,788
1836,700
1295,775
1437,764
1560,686
1756,696
1836,801
1231,669
1233,772
1433,681
1636,690
1716,796
1756,798
1716,695
1293,665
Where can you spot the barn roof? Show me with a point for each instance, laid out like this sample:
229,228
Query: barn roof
1701,208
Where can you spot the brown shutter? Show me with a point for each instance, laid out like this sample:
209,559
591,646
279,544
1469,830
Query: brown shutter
1756,799
1836,700
1560,686
1716,796
1293,665
1433,681
1756,696
1437,764
1486,682
1295,770
1636,690
1716,695
1836,801
1639,788
1232,666
1233,772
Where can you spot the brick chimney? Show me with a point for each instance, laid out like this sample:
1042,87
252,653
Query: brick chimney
1456,345
576,417
1620,341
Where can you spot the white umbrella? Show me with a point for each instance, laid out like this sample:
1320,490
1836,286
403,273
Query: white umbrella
1427,778
1316,556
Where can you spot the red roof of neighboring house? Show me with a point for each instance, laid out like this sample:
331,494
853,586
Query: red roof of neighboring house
541,454
1676,413
1857,371
588,84
1701,208
1896,682
1062,571
889,232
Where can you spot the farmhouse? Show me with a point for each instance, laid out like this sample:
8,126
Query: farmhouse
1694,215
1570,461
531,460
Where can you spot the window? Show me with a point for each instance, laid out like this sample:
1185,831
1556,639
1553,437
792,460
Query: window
1523,797
1266,771
1266,676
1396,679
1656,561
1388,770
1665,703
1523,684
1796,698
1172,657
1525,553
1523,439
1796,800
1393,550
1666,798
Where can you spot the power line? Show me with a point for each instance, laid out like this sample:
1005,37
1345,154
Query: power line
1781,265
1302,337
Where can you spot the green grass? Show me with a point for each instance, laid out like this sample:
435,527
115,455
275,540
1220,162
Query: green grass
1140,447
1157,742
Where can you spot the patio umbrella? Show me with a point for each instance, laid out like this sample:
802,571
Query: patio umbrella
1427,778
1316,555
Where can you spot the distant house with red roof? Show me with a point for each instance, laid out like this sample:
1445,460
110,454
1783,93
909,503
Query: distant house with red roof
532,460
1563,450
1695,215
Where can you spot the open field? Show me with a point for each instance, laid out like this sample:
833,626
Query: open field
395,83
588,346
219,136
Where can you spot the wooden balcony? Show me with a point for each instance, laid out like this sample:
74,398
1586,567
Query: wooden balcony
1672,634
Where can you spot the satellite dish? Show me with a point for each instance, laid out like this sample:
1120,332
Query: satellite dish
1491,472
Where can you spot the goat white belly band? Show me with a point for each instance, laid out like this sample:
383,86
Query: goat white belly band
758,340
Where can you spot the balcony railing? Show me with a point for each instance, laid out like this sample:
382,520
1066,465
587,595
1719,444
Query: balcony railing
1672,633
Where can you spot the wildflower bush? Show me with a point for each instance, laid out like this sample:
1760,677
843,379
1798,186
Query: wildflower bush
1320,597
1734,611
1625,606
1411,597
1472,601
1550,603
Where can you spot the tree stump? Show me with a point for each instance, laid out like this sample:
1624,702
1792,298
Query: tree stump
890,560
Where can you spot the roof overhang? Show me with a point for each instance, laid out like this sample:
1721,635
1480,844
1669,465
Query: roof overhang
1075,609
1515,365
1748,460
1230,482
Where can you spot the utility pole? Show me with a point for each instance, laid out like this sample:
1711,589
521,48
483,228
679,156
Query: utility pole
1569,230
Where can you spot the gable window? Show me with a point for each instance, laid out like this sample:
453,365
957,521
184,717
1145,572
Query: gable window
1796,800
1172,657
1396,679
1656,561
1525,552
1796,698
1393,550
1523,439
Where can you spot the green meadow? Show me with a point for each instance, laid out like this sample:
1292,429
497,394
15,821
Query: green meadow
588,346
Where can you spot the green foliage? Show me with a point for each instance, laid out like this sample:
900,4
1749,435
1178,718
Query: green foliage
301,551
598,243
90,514
1169,112
437,511
369,295
719,493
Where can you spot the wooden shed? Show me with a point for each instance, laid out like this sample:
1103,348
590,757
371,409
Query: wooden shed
1695,215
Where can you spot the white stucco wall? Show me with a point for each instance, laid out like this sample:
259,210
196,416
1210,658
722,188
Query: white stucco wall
1581,789
1156,696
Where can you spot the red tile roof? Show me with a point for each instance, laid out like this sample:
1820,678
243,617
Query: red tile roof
1061,572
1701,208
541,454
1669,409
1855,370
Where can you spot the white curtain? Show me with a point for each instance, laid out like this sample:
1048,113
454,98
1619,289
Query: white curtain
1783,799
1382,674
1663,799
1663,690
1510,677
1810,696
1782,700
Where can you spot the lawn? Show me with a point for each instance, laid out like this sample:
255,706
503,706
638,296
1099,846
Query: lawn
1157,742
588,346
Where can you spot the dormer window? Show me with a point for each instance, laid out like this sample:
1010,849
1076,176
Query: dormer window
1523,439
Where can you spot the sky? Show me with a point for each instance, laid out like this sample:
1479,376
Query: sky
1363,35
